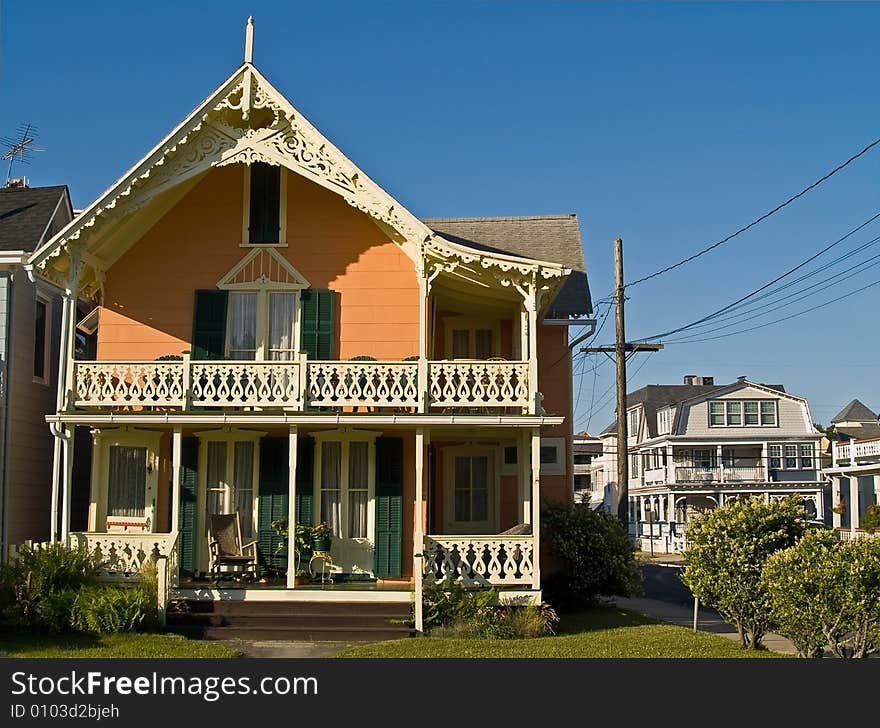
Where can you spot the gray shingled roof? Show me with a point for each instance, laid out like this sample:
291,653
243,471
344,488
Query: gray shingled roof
554,238
855,411
656,396
25,212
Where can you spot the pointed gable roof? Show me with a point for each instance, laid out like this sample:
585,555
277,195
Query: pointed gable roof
245,120
855,411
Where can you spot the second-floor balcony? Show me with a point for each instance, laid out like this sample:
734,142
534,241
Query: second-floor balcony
720,474
857,450
447,386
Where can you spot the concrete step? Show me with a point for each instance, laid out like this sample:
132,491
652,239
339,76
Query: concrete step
294,634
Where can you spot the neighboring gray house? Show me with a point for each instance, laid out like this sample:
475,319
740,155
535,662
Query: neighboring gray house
695,446
855,466
29,346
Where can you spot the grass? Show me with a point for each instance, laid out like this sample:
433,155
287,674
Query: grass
600,632
28,644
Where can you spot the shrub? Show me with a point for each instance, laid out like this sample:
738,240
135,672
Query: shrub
44,574
596,555
105,609
827,593
871,520
804,585
727,550
451,610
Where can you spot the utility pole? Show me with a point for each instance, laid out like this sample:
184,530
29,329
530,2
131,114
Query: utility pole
620,350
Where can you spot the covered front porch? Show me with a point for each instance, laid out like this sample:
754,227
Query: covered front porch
407,505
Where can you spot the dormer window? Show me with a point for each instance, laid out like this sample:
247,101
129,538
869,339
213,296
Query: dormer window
265,208
664,421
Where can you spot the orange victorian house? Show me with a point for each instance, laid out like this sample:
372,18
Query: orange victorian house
278,338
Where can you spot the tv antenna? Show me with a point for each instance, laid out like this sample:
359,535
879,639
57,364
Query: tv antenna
19,148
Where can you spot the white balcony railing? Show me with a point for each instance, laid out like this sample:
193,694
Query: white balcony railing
480,560
471,386
655,475
697,475
243,384
133,383
363,384
479,383
743,474
123,555
856,449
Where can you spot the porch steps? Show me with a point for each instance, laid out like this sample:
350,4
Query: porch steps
293,621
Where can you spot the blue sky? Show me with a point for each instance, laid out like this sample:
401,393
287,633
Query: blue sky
670,125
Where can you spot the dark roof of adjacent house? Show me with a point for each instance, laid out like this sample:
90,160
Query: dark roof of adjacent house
865,431
656,396
553,238
25,214
855,411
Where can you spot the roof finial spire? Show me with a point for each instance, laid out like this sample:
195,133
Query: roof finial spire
249,41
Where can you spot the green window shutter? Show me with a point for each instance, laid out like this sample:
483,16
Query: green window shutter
389,507
305,471
318,328
189,483
265,204
272,501
209,325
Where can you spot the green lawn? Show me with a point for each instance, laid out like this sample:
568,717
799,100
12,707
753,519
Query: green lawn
601,632
26,644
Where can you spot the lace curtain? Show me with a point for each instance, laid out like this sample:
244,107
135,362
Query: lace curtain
282,310
358,464
331,467
242,325
126,488
243,482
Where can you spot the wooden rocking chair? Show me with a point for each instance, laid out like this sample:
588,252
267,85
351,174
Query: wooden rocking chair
226,549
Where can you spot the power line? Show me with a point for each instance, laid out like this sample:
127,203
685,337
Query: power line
770,283
758,220
776,321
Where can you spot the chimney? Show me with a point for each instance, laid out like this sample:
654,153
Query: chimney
741,378
693,379
690,378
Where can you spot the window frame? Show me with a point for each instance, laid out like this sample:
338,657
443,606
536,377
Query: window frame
494,457
737,408
263,322
558,466
471,324
781,453
41,298
102,441
246,212
345,436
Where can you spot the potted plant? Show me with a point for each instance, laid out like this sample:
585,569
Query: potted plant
322,535
840,508
871,519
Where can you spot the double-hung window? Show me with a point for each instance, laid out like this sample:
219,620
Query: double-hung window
127,481
262,325
791,456
230,475
345,485
739,413
265,205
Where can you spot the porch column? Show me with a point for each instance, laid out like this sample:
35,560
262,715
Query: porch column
424,387
56,483
670,507
291,506
524,478
670,465
877,489
836,497
536,508
176,465
68,479
765,462
853,503
719,457
419,534
531,304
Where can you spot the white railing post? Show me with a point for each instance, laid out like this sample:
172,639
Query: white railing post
291,505
162,588
424,387
536,508
176,465
187,381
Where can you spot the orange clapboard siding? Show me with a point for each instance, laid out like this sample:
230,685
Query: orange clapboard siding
149,291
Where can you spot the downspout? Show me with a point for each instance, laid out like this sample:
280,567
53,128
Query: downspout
4,422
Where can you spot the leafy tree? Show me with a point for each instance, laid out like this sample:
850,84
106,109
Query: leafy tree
727,550
595,553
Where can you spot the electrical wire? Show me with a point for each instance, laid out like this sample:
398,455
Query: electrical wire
763,217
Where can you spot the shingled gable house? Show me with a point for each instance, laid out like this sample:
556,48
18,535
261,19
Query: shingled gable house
696,446
278,337
29,335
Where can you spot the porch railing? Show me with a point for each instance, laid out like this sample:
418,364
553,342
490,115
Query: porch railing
470,386
122,555
479,383
697,475
244,383
857,449
133,383
363,384
743,473
479,560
